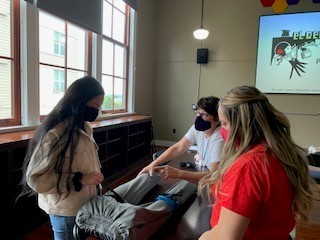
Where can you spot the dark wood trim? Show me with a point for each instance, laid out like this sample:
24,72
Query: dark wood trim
26,135
16,78
89,53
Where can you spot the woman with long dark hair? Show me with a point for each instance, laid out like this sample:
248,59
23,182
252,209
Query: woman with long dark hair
62,165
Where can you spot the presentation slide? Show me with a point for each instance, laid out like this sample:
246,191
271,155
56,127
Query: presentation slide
288,56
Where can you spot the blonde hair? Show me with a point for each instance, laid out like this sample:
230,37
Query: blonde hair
254,120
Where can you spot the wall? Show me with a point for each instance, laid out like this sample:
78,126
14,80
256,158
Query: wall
232,45
145,57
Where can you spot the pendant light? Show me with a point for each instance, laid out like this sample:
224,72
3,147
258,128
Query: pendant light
201,33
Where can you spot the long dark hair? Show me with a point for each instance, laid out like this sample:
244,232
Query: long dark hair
71,109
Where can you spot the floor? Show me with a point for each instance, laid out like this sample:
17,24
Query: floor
310,230
303,231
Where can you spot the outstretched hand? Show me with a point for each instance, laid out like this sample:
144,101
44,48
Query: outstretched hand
297,66
167,171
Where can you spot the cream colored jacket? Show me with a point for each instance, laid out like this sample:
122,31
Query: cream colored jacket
41,177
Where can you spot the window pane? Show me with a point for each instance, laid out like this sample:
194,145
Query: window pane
6,76
118,93
76,47
119,61
59,43
120,5
64,50
107,19
107,84
115,55
6,89
107,57
5,28
48,97
118,25
73,75
51,39
58,81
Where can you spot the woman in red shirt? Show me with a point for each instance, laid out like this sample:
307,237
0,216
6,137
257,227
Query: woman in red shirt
262,183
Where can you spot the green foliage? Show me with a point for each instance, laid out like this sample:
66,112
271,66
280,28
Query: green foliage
107,102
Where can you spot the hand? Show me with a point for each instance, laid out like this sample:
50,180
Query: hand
93,178
148,169
167,171
297,66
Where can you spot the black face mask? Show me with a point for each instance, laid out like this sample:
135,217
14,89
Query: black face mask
90,114
202,125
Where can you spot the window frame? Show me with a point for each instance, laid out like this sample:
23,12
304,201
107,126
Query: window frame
126,46
26,72
15,73
58,81
65,68
58,43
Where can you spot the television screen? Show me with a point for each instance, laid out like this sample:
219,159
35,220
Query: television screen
288,56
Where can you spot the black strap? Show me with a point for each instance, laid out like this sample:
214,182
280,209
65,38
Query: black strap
116,195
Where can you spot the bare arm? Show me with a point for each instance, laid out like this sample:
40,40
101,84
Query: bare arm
214,166
231,226
175,150
171,172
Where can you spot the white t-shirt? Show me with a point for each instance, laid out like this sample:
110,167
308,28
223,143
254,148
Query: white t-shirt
209,149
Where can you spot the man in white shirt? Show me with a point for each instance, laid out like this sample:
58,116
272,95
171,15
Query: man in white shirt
205,133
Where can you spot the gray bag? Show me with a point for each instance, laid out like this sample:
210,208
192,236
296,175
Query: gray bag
108,217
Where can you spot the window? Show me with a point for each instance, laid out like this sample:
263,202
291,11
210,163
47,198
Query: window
58,81
52,53
9,63
115,47
59,43
63,56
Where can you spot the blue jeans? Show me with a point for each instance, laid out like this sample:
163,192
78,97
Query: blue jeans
62,227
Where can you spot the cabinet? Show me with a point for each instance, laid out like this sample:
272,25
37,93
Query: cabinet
124,143
24,213
123,147
139,139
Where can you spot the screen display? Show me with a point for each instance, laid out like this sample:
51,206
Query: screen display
288,56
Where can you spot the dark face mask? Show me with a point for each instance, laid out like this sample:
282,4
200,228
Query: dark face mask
202,125
90,114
